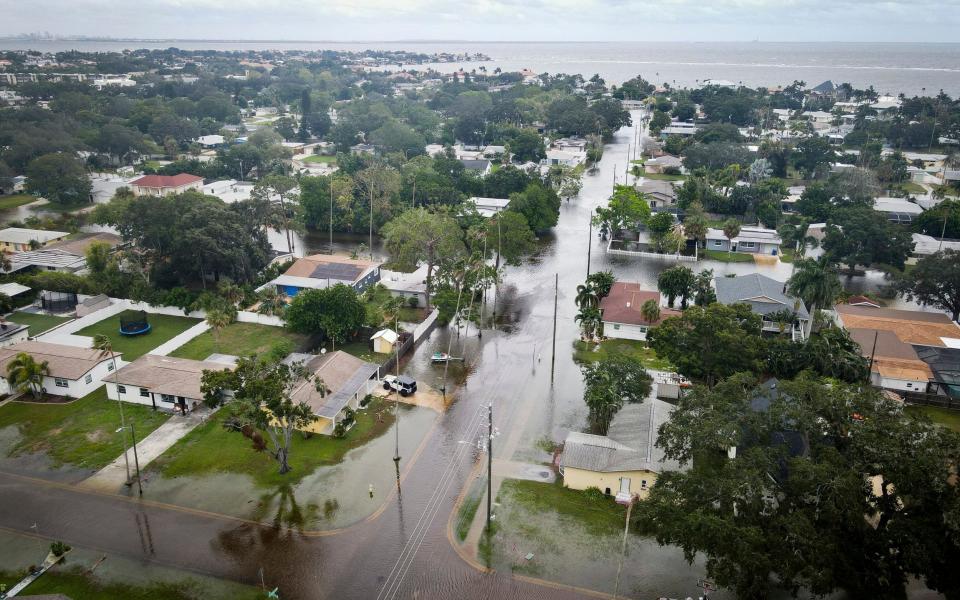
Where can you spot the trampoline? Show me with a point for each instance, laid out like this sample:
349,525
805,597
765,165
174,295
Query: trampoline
136,324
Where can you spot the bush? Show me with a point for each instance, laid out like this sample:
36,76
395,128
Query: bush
349,415
279,350
594,493
413,301
671,171
58,548
340,430
365,402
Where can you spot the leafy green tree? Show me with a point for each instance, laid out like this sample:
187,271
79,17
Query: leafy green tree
703,292
626,209
512,237
538,204
676,282
418,235
817,495
25,373
264,391
59,178
609,383
935,281
731,229
527,146
336,312
709,343
695,224
862,236
813,156
942,219
658,121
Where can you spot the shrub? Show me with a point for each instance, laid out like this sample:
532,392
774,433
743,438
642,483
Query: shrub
340,430
413,301
671,171
58,548
365,402
594,493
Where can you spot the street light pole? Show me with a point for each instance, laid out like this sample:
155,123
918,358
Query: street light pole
396,397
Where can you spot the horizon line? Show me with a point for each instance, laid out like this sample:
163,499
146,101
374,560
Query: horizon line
93,38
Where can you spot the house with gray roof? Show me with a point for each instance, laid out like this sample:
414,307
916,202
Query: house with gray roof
755,240
626,462
768,298
346,380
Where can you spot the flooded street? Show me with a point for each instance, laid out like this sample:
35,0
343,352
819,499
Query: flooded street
402,550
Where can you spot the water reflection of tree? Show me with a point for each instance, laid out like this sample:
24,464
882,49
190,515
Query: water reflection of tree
287,513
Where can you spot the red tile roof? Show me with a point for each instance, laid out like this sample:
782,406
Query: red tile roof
624,302
166,181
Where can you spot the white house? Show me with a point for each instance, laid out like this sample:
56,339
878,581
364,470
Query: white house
161,185
755,240
161,381
488,207
897,210
18,239
73,371
210,141
564,157
621,312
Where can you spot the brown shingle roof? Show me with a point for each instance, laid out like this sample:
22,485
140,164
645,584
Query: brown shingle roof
910,326
68,362
623,304
892,357
166,375
342,375
79,244
322,266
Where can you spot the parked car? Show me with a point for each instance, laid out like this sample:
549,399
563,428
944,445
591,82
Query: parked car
403,384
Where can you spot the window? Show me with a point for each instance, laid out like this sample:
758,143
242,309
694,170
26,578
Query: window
717,243
748,245
643,329
110,366
145,392
88,379
121,389
616,326
643,484
167,398
59,382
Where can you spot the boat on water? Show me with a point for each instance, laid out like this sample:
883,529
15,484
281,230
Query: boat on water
442,357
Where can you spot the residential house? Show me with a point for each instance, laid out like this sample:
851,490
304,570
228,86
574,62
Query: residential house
895,366
409,286
161,381
163,185
73,371
12,333
482,167
488,207
563,157
346,381
662,163
897,210
66,255
658,193
678,129
19,239
925,245
229,190
755,240
621,311
211,141
766,297
322,270
625,462
570,144
358,149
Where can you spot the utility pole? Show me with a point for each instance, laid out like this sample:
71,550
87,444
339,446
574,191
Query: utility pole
612,189
589,243
396,395
553,353
331,213
489,463
136,460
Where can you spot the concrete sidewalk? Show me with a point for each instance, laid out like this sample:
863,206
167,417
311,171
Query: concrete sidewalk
114,475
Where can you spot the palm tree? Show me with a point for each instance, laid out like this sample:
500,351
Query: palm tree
650,311
589,319
587,296
636,171
676,282
731,229
217,319
271,303
231,292
27,374
816,283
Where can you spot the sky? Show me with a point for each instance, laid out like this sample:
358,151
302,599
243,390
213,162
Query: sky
491,20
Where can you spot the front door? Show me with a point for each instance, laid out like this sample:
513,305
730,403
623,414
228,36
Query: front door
625,485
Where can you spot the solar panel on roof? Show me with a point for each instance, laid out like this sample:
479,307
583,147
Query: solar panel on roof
338,271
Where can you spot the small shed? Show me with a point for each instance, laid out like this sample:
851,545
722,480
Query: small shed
384,341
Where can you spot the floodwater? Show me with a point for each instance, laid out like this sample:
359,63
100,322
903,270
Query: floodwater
404,552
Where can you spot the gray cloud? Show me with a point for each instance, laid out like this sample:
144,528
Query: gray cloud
630,20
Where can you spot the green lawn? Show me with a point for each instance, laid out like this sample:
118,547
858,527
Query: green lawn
584,352
163,328
598,514
468,509
361,349
727,257
787,255
212,449
240,339
81,434
664,176
36,322
77,584
942,416
16,200
320,158
912,188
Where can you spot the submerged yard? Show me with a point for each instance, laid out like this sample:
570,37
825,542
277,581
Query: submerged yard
162,329
585,352
79,434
